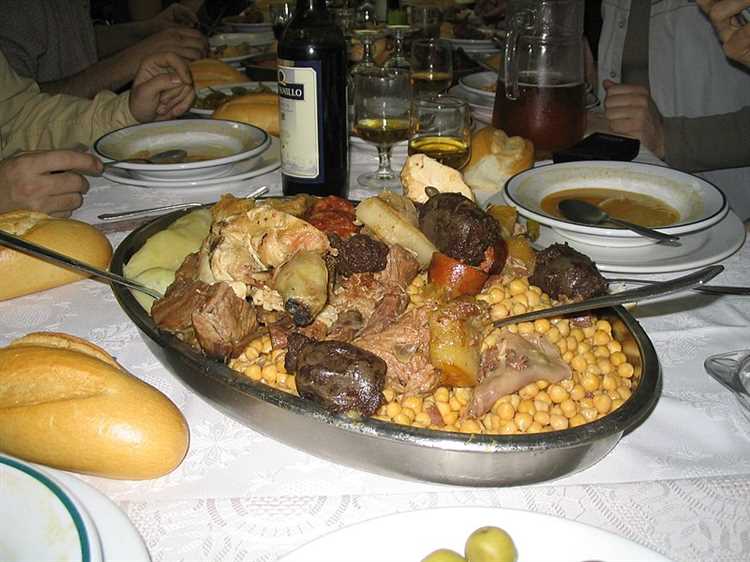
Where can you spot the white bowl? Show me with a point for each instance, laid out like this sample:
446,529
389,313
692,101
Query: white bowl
230,141
227,89
257,43
699,204
479,82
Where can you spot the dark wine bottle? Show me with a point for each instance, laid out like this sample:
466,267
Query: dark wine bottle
313,121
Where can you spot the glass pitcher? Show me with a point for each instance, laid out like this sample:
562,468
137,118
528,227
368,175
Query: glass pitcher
541,92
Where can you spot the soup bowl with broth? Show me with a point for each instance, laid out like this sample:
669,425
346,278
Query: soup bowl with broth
670,201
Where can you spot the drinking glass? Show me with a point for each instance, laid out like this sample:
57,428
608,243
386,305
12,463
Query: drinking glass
281,12
426,20
382,105
441,129
398,58
431,66
367,37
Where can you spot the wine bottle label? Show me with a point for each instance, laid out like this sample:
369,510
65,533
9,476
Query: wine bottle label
300,116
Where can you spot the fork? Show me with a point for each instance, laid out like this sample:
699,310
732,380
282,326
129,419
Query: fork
708,289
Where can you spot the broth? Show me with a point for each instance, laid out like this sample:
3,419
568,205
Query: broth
637,208
193,154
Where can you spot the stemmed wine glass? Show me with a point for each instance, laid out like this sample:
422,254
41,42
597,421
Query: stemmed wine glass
382,106
441,129
398,58
367,37
431,66
281,12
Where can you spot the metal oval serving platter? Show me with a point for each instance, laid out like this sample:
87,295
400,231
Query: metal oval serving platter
390,449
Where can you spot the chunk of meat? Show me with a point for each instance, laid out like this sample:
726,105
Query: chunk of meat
333,215
512,363
401,268
337,375
404,345
347,326
563,272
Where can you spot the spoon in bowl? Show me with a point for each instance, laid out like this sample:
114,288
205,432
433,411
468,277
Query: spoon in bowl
174,156
586,213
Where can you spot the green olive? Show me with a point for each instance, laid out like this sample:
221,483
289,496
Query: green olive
490,544
444,555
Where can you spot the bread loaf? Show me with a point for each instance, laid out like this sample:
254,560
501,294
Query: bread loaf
261,110
213,72
495,157
420,170
66,403
22,274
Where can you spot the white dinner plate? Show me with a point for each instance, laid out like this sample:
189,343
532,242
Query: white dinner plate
120,540
474,100
40,519
245,169
478,82
475,45
696,250
241,27
412,536
257,43
227,89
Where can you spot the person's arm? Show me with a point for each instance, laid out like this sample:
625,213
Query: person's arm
734,35
113,38
708,143
118,70
21,48
29,120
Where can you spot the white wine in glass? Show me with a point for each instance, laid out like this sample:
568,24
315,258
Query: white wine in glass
431,66
382,108
441,129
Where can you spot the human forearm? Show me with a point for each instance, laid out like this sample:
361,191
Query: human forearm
708,143
110,74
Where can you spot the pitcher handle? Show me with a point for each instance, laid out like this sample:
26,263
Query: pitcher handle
521,20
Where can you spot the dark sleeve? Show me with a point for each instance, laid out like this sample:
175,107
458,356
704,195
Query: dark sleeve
708,143
23,33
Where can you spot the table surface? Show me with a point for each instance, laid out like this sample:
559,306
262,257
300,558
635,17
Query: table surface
679,484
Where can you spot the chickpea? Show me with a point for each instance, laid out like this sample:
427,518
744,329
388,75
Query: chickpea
557,393
553,334
558,422
442,394
470,426
625,370
401,419
568,408
488,544
507,427
412,402
533,298
526,407
542,418
577,420
505,411
392,409
389,394
517,287
603,403
529,391
254,372
409,413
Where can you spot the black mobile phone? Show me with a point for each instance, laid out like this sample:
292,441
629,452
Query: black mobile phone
599,146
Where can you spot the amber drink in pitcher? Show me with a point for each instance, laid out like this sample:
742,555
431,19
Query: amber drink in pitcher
541,89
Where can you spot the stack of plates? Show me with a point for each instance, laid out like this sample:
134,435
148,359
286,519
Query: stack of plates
218,152
63,519
475,45
478,90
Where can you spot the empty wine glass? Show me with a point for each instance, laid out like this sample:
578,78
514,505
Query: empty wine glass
431,66
441,129
367,37
398,58
281,12
382,105
426,20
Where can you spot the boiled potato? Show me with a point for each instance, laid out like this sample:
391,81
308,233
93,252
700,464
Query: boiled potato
444,555
490,544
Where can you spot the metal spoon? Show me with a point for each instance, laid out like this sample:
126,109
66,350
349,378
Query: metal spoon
173,156
581,211
633,295
46,254
708,289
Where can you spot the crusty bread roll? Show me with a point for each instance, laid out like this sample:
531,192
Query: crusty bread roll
213,72
66,403
22,274
495,157
420,170
261,110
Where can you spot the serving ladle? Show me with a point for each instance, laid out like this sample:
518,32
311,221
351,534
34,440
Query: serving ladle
7,239
173,156
583,212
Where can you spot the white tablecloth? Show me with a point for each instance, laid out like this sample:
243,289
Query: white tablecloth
679,484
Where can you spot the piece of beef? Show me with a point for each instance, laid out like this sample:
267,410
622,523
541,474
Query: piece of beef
405,347
208,317
337,375
400,269
224,323
512,363
358,254
561,271
459,228
347,326
280,330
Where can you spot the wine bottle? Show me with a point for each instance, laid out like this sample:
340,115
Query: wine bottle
312,103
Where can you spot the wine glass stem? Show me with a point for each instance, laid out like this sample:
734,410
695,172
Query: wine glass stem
367,51
384,161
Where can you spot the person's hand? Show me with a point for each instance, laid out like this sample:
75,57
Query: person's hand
162,88
48,181
631,112
176,15
190,44
735,36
